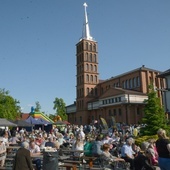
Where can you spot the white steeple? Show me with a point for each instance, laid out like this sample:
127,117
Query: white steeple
86,30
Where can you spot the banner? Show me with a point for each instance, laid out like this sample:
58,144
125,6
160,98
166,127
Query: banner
104,123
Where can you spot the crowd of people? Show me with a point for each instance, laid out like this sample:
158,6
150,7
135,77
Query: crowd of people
112,150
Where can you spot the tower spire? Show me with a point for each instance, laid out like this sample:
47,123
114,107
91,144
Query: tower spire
86,30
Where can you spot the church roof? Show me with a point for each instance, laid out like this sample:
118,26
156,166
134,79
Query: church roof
165,73
114,91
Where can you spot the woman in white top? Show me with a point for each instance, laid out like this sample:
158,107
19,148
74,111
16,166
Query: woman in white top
78,146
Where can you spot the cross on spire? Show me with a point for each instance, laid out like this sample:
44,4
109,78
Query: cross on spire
86,30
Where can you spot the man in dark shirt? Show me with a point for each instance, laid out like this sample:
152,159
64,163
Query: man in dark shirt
50,143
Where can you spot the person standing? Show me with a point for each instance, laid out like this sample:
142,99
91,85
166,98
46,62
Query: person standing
2,152
163,149
22,158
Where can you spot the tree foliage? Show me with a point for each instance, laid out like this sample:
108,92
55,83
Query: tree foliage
154,114
9,107
60,107
37,106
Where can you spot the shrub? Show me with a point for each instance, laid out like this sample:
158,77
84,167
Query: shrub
141,139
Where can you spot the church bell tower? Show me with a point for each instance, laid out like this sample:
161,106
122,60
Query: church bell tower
87,71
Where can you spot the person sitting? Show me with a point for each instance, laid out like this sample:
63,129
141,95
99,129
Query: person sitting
61,140
50,143
88,147
153,162
96,146
153,152
14,140
35,151
108,159
78,146
107,139
127,152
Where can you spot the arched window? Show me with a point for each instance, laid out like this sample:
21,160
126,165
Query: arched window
130,83
92,118
90,47
87,55
87,67
87,78
127,84
91,67
90,57
91,78
80,120
138,81
123,84
86,45
95,68
134,82
94,58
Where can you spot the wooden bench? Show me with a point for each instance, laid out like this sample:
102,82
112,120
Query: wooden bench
72,161
6,168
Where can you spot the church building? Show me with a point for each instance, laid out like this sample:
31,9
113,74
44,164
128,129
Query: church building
120,97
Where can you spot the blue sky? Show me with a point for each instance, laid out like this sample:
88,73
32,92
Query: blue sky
38,38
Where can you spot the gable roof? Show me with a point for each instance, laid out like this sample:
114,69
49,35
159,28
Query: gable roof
114,91
130,72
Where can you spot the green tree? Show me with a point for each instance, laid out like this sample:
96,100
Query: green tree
60,107
154,114
9,107
37,106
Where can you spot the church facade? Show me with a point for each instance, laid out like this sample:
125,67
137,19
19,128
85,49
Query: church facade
120,97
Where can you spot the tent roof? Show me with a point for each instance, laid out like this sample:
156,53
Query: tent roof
44,121
22,123
59,122
5,122
33,121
